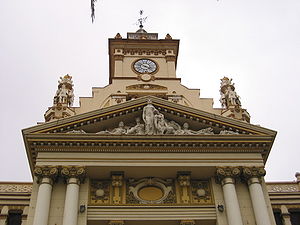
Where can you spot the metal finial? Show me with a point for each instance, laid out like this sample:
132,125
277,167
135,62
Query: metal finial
141,20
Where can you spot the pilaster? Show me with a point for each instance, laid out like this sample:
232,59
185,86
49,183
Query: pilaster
117,183
183,179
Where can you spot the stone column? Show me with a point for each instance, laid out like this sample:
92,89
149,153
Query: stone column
227,177
73,177
286,216
253,176
45,177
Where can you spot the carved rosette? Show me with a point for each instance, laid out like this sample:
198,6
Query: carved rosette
100,192
50,172
201,192
253,172
227,172
77,172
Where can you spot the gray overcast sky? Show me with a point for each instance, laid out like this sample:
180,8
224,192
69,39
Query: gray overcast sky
255,42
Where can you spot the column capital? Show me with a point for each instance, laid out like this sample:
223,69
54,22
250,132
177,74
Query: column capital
227,172
77,172
50,172
253,172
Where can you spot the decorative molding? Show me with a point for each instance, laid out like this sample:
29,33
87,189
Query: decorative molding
164,191
187,222
144,51
282,188
78,172
15,188
201,192
100,192
146,87
116,222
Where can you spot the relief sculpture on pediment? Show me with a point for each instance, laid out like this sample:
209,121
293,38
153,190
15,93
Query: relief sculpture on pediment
153,122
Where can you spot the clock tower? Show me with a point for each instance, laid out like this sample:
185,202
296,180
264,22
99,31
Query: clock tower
142,56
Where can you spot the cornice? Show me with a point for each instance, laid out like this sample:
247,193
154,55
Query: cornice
52,135
163,105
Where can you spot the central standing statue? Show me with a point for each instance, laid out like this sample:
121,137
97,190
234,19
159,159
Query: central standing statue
148,118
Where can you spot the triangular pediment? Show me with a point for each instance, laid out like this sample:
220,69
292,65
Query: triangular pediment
98,131
107,119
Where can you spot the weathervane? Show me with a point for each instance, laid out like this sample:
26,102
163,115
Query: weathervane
141,20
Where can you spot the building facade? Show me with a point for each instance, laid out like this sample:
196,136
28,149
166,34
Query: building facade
145,149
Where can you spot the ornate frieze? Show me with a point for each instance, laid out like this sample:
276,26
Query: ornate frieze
50,172
78,172
149,191
146,87
18,188
273,188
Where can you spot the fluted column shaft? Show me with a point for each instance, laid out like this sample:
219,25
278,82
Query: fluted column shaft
46,176
227,178
73,176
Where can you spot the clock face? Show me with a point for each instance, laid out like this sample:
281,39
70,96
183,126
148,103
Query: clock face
145,66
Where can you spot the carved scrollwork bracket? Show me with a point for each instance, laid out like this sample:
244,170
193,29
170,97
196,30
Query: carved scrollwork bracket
50,172
77,172
227,172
